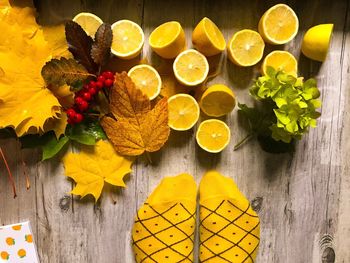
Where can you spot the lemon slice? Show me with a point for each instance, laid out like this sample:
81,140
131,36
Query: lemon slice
279,24
246,48
213,135
217,100
147,79
89,22
183,112
281,60
191,68
316,42
128,39
168,39
207,38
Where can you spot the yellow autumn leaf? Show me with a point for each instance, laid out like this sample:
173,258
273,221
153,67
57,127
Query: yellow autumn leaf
91,168
56,38
136,127
26,104
58,126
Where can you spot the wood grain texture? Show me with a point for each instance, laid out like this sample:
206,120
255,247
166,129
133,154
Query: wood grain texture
303,199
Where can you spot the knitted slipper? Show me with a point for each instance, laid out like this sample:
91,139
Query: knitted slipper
229,228
164,226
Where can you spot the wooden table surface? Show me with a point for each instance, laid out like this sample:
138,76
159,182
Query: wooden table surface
303,199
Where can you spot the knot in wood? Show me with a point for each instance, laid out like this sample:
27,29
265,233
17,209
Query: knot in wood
64,203
328,255
257,203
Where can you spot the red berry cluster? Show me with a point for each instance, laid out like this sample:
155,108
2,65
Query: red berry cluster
85,96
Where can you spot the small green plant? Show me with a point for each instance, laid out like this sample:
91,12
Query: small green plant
288,106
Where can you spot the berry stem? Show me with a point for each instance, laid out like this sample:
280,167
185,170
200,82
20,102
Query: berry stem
9,172
93,114
105,93
243,141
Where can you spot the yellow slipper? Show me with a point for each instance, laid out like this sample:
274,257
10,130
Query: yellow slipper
164,226
229,228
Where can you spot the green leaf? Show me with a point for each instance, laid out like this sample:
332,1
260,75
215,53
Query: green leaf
310,83
279,134
271,72
87,132
282,117
280,102
302,104
263,93
47,142
64,71
292,127
53,146
316,103
282,77
76,86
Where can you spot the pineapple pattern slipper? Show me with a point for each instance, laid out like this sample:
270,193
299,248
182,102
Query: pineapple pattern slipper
229,228
165,225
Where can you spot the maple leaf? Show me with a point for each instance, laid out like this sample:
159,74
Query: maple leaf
80,45
64,71
92,168
101,48
58,126
56,38
26,104
138,128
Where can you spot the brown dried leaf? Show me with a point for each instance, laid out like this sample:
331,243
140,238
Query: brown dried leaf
126,101
101,48
79,44
138,128
63,71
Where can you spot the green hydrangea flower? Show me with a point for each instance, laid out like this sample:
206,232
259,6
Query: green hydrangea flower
294,104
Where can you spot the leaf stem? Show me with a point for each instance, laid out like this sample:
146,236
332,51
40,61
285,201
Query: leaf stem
243,141
148,156
9,172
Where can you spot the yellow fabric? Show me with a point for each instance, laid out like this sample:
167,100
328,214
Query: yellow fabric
164,226
229,228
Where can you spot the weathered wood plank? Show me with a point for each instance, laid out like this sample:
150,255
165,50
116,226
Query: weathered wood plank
303,199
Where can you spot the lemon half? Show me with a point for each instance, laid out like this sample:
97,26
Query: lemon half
168,39
128,39
246,48
217,100
213,135
207,38
183,112
281,60
147,79
316,42
89,22
279,24
191,68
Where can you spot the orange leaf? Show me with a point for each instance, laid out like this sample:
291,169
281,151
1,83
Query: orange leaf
138,128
